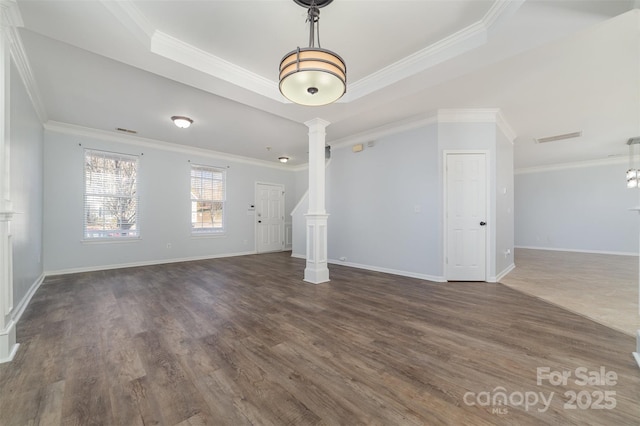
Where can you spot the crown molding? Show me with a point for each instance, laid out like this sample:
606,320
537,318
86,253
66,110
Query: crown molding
504,126
10,14
385,130
177,50
109,136
478,115
174,49
23,66
500,11
468,115
132,18
460,42
453,45
574,165
11,20
181,52
300,167
460,115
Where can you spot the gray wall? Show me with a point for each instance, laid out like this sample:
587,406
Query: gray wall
475,137
26,189
302,184
164,206
579,209
500,223
384,204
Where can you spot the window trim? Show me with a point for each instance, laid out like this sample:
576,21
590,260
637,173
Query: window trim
85,194
208,232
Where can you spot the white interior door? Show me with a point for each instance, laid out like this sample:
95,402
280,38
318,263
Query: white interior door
466,215
269,217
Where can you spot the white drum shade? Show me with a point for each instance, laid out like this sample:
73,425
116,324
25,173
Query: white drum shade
312,76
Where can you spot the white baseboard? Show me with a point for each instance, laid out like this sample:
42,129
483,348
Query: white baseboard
389,271
616,253
378,269
22,305
8,345
145,263
504,273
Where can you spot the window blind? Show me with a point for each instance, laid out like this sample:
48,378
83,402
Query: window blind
110,195
208,196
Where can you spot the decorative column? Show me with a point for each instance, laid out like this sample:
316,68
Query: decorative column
8,345
316,271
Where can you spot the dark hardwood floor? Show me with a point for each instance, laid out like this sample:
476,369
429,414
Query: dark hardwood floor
240,341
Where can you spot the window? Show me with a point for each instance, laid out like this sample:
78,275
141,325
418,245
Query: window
207,199
110,195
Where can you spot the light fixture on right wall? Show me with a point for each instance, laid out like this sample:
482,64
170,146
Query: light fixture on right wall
283,159
633,174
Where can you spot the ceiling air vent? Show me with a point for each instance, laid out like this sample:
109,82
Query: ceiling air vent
558,137
120,129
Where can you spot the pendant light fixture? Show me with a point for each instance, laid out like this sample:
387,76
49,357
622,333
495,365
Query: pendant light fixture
311,75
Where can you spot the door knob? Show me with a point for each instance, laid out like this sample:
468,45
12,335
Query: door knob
483,223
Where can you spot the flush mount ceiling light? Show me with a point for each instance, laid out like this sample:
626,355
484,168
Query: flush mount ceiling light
182,122
283,159
311,75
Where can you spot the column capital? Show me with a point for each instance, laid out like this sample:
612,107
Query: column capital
316,123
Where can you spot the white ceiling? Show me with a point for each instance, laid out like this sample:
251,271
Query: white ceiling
552,67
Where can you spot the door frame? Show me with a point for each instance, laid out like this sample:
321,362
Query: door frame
445,221
255,216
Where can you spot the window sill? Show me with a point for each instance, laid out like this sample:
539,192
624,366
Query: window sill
201,235
111,240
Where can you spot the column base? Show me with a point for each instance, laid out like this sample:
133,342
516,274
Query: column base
316,271
316,276
8,345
